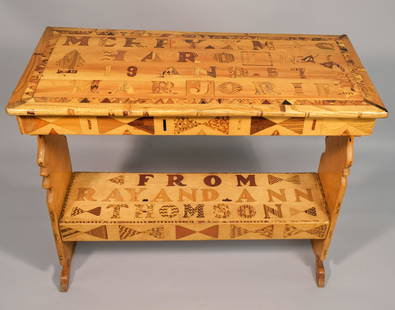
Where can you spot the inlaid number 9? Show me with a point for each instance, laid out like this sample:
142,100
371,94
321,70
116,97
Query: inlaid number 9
132,71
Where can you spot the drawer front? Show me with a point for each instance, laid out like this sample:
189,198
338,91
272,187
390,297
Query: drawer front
214,126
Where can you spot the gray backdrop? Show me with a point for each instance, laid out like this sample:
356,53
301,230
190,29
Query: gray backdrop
200,275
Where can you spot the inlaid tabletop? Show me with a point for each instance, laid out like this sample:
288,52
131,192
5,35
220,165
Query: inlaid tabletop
96,72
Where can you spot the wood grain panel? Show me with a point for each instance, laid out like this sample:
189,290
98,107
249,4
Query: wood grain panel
333,171
98,72
158,206
218,126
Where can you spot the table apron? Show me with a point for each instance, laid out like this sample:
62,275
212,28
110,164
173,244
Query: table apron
215,126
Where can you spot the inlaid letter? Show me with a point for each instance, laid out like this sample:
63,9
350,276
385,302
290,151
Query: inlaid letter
188,195
169,211
115,195
301,72
161,43
280,196
134,193
236,72
118,55
199,88
187,56
245,196
264,88
212,180
221,210
212,71
197,211
162,196
250,180
85,193
175,179
209,194
108,42
144,210
224,57
116,214
143,178
308,195
269,210
230,88
246,211
131,42
258,45
73,40
298,88
151,57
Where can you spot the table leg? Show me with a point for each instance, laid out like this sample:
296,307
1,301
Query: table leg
55,167
333,171
320,272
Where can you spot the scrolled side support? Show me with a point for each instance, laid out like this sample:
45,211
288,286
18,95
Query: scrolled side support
333,171
53,158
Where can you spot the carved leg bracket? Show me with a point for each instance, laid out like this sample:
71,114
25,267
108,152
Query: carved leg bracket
55,166
333,171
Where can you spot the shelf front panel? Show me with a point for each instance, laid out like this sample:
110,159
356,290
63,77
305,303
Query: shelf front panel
193,206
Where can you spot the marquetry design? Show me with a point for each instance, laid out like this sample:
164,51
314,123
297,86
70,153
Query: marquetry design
97,233
318,231
82,81
120,179
138,232
239,232
210,232
77,211
87,125
91,72
222,126
273,179
193,207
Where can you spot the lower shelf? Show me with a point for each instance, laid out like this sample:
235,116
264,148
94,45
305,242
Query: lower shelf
193,206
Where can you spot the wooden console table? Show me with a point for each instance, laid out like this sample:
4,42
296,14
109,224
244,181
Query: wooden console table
124,82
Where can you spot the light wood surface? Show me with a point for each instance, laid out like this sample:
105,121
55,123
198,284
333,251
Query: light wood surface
82,81
131,206
333,171
55,168
319,272
99,72
219,126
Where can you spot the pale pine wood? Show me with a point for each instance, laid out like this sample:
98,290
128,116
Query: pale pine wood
17,96
320,272
193,206
55,168
223,126
333,171
122,82
64,278
99,72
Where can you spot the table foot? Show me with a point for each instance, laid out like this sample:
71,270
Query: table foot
64,278
320,272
